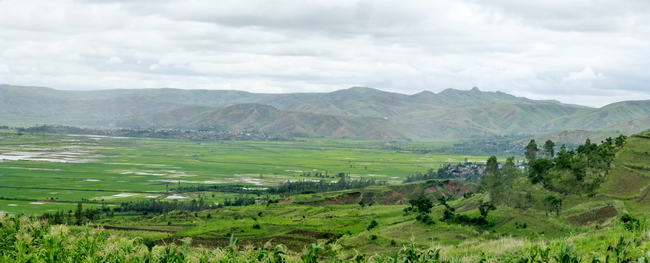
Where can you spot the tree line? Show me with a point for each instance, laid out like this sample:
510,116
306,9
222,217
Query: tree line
160,133
466,171
82,215
287,188
247,196
549,175
308,187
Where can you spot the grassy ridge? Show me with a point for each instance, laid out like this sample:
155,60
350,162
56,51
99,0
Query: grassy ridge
629,178
345,228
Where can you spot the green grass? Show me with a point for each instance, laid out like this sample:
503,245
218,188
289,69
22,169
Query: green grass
30,207
131,169
28,240
629,177
72,168
298,226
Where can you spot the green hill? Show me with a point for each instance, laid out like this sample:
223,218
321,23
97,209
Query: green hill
264,118
629,178
449,113
607,116
576,137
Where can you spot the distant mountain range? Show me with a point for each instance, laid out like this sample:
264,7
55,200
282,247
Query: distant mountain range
356,112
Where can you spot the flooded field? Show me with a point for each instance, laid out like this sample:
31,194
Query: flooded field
67,155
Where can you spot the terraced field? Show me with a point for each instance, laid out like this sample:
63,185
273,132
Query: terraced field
629,177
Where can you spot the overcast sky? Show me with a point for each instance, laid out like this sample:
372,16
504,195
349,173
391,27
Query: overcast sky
588,52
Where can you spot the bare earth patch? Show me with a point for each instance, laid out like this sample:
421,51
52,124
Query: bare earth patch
597,216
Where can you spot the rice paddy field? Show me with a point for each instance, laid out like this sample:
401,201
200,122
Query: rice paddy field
46,172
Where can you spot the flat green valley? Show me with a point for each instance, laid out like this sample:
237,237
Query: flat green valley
50,172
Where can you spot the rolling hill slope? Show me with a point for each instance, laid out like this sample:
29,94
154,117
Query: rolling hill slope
357,110
629,178
268,119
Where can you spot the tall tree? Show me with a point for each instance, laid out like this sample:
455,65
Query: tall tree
78,214
531,151
491,179
538,169
587,148
549,149
563,158
509,175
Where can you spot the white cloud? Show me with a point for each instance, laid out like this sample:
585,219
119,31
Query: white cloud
586,75
534,48
115,60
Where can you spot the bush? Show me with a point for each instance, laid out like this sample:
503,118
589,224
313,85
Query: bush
521,225
372,224
630,223
425,219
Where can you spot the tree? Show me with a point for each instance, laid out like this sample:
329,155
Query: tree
563,158
78,214
531,151
553,204
538,169
491,179
443,201
485,208
620,141
509,174
422,204
549,149
587,148
510,171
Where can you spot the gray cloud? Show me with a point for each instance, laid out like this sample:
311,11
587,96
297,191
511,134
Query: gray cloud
588,52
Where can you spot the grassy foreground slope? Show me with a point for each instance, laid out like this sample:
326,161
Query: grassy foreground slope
332,233
371,225
589,227
629,177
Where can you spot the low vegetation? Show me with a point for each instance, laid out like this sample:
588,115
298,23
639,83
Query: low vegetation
25,239
552,207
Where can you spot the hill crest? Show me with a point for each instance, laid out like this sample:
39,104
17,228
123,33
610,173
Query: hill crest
449,113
